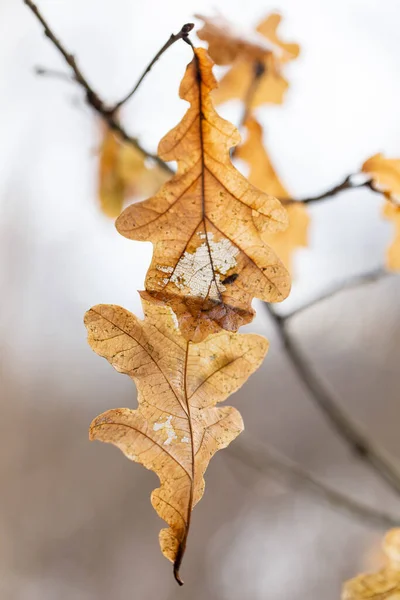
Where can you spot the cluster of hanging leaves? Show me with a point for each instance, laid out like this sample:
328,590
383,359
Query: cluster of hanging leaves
216,240
384,585
385,174
208,226
125,174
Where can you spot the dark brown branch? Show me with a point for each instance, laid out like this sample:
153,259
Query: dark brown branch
107,113
268,461
347,184
348,430
353,282
183,34
258,71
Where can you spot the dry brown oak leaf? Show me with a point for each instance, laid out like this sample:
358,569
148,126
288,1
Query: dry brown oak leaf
385,173
263,175
176,428
209,260
123,174
384,585
247,53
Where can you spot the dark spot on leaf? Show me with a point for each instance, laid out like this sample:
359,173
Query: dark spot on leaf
230,278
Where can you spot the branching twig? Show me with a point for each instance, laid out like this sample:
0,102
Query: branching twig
182,35
107,113
353,282
358,441
267,460
347,184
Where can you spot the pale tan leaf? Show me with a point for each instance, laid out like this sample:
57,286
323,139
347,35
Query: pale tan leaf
206,223
384,585
176,428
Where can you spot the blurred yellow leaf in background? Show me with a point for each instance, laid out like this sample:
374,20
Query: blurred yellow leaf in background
385,174
246,52
124,174
263,175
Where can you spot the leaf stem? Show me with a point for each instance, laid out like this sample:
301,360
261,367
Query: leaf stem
346,428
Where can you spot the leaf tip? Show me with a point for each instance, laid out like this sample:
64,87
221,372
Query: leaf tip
177,576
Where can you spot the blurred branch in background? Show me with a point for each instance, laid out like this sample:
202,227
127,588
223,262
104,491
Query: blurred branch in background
347,429
269,462
348,284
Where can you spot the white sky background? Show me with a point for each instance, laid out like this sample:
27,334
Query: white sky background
59,255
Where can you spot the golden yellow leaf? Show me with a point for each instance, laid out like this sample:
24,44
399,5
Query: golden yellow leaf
384,585
263,175
247,52
176,428
392,212
123,174
385,173
209,260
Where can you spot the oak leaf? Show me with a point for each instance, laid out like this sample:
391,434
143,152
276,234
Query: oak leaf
123,174
385,174
263,175
209,260
384,585
248,53
176,428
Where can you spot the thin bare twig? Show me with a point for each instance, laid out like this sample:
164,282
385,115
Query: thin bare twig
184,32
267,461
259,70
353,282
347,184
107,113
346,428
54,74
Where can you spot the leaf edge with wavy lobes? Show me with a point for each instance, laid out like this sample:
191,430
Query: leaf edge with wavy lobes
176,427
206,223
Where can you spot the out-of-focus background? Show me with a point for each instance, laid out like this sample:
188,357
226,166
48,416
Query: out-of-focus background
76,522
